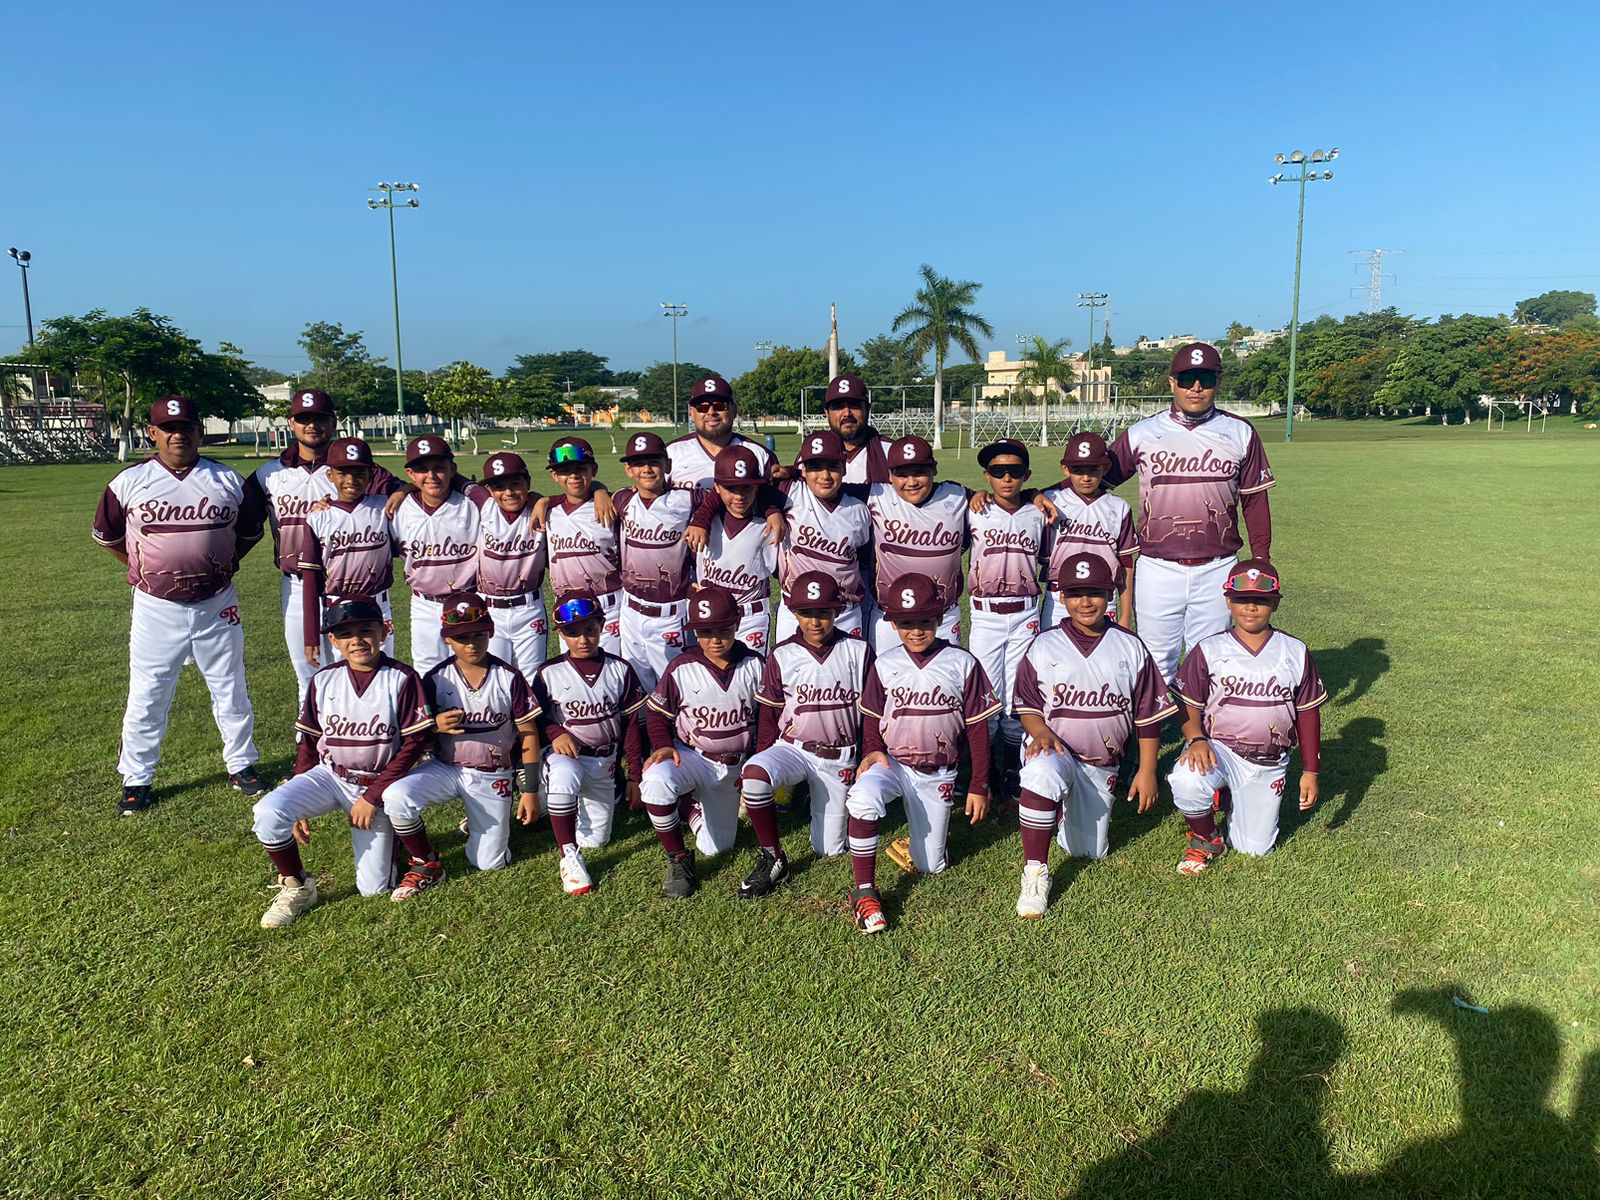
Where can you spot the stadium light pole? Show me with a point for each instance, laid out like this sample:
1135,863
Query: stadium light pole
390,202
1302,162
762,348
675,311
1091,301
23,258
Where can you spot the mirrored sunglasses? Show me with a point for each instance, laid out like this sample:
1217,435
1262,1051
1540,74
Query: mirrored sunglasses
560,455
464,616
580,609
1262,582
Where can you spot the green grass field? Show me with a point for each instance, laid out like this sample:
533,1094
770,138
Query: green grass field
1281,1026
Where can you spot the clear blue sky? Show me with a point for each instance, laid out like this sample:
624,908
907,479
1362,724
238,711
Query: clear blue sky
582,163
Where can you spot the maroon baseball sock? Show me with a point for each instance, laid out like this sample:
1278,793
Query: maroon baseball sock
1037,817
669,831
863,836
287,860
564,825
764,820
417,845
1202,826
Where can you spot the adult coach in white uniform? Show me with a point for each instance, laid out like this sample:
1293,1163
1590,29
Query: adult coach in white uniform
288,486
1196,465
180,524
693,457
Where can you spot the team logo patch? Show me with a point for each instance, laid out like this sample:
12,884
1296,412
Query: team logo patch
536,625
230,614
502,787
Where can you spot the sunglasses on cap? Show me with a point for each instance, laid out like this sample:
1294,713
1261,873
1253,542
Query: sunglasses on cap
561,455
1206,379
1006,471
464,616
580,609
705,406
1244,581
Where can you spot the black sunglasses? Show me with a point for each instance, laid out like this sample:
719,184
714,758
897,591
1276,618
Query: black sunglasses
705,406
1006,471
1206,379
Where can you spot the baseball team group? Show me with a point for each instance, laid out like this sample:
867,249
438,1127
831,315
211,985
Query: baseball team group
682,689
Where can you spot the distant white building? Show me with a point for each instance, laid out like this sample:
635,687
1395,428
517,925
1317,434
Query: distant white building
1000,376
1166,343
1260,340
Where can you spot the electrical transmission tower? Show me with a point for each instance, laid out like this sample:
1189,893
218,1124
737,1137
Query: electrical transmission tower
1374,285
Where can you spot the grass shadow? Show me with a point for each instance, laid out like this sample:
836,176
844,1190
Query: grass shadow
1351,762
1349,672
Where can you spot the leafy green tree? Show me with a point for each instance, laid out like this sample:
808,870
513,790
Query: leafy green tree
655,387
772,387
1047,363
1237,331
534,397
463,391
592,400
1554,308
886,361
960,379
582,367
626,378
341,366
1443,365
941,315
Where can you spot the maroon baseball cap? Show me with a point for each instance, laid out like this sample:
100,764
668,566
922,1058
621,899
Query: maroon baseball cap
911,452
1253,579
568,450
1086,449
713,607
813,589
348,610
712,387
503,466
847,387
914,598
429,445
169,410
1196,356
736,465
311,402
572,607
823,446
1087,572
349,452
644,445
464,612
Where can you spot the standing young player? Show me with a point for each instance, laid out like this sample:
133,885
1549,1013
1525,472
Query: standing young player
584,551
702,715
809,729
656,560
486,752
830,530
1007,539
363,725
287,487
180,524
922,702
1091,520
1195,464
712,410
1249,694
511,563
740,552
588,700
435,530
345,547
919,527
1085,689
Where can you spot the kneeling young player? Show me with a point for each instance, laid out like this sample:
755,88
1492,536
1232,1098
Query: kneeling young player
589,700
484,712
1249,694
1084,690
810,727
703,716
923,701
364,724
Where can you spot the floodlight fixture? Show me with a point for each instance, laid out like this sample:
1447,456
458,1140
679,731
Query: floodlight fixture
1279,159
1299,156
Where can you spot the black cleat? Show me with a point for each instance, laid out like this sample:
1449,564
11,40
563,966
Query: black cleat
248,782
771,872
135,799
682,881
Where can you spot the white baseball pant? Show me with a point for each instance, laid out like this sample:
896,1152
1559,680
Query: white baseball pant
611,627
754,625
487,795
1052,612
651,642
716,787
1257,794
885,639
521,635
290,599
786,764
586,786
998,641
1085,792
927,797
849,621
330,655
427,642
319,792
1177,606
162,635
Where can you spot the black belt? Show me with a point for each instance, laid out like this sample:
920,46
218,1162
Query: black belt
507,601
724,759
822,749
605,751
432,599
928,768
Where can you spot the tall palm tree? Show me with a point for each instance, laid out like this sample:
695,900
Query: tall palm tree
1046,362
942,314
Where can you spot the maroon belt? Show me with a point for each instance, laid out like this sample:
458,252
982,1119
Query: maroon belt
361,777
649,610
822,749
928,768
433,599
1001,607
1191,562
507,601
726,760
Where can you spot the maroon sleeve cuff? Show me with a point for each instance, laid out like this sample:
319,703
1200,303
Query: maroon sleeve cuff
305,753
659,729
979,741
408,756
1308,725
766,727
706,513
311,606
633,750
1258,524
872,737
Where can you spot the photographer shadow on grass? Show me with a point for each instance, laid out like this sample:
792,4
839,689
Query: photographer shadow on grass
1349,672
1352,761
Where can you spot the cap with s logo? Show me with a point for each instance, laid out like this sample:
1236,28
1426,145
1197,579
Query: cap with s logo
1085,449
911,452
173,409
349,452
913,597
713,607
736,465
847,387
643,445
813,590
1196,356
311,402
1089,572
504,465
712,387
429,445
823,446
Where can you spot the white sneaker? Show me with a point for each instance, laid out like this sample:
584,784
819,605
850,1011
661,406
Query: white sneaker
292,902
575,879
1035,897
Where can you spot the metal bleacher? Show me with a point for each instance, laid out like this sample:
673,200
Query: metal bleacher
54,431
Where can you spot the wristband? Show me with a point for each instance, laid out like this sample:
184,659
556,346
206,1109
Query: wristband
1193,740
527,778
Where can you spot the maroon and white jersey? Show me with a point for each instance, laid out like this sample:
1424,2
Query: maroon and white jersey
439,545
925,703
826,536
655,560
351,546
183,532
925,538
590,698
817,692
358,718
511,552
1249,702
691,465
1006,550
1102,527
712,709
739,557
289,488
868,462
584,555
1093,692
1190,481
490,714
